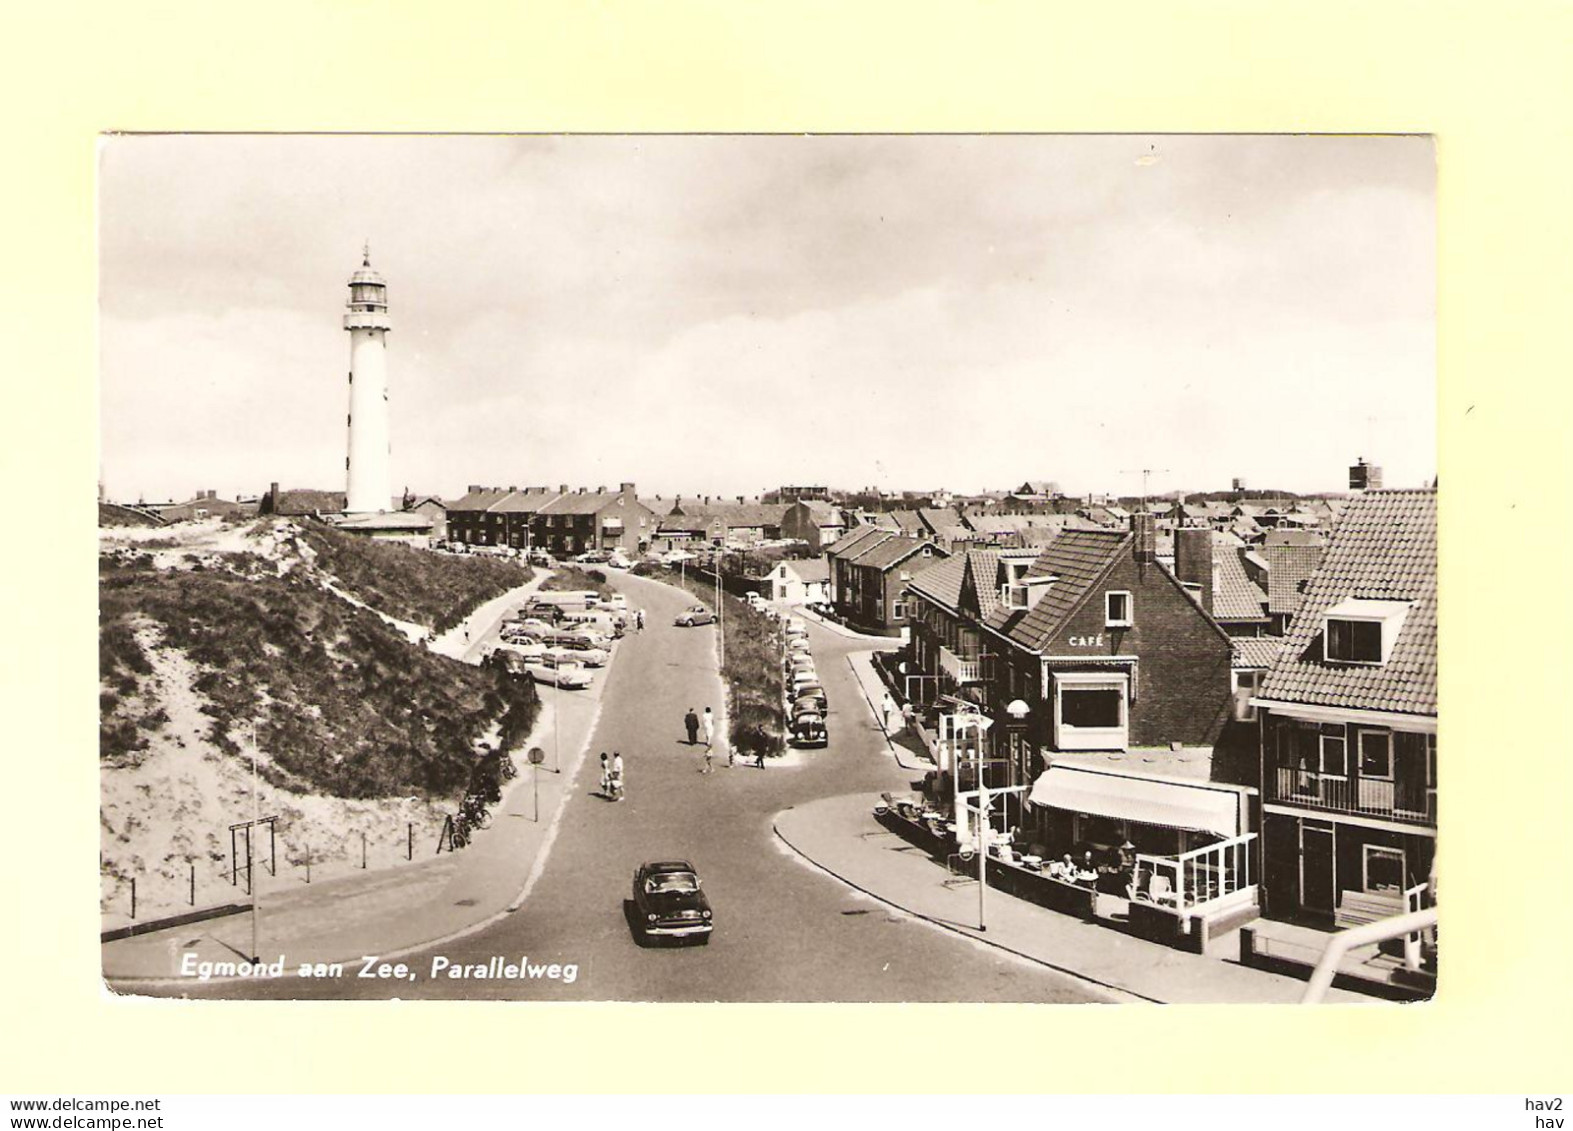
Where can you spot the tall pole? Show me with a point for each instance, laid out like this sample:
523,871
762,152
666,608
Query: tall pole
720,614
983,840
256,817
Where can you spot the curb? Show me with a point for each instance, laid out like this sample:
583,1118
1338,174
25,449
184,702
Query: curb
840,630
896,749
953,929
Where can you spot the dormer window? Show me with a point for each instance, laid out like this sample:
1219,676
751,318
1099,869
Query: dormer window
1117,611
1362,631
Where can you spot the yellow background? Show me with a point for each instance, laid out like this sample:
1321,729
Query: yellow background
1489,80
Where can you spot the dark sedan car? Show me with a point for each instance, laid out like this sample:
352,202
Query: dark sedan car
808,729
668,903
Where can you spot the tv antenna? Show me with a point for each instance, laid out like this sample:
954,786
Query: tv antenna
1146,474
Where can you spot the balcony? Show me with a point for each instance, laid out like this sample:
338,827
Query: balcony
959,670
1402,800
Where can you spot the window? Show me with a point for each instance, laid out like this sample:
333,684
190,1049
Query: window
1384,869
898,610
1376,754
1354,641
1090,707
1362,630
1333,758
1117,609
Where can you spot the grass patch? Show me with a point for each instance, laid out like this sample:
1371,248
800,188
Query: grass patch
436,590
571,578
752,670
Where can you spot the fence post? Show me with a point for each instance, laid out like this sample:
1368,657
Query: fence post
133,897
193,885
308,862
409,835
273,853
363,850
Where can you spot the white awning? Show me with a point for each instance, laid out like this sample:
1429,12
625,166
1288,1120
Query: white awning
1172,804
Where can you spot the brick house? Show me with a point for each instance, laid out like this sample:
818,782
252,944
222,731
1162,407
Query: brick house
870,569
816,522
1348,717
472,521
594,520
1126,681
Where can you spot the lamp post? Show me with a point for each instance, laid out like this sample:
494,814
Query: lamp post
1017,710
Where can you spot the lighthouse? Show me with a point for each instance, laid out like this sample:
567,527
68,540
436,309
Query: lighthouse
368,465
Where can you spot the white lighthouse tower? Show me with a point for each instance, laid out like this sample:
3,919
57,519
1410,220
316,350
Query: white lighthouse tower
368,466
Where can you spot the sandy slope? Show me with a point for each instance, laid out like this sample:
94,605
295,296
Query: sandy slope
168,808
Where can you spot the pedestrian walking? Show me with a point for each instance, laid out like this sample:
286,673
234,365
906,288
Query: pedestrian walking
760,755
709,721
606,775
887,707
691,722
638,620
616,777
707,767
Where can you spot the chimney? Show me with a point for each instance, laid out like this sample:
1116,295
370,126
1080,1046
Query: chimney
473,489
1193,561
740,498
562,489
627,489
273,497
212,494
1146,531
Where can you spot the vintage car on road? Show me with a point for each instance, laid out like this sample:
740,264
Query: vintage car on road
560,668
808,728
585,647
696,614
795,627
668,903
810,695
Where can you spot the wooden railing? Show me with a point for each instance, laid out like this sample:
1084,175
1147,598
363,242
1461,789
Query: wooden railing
962,671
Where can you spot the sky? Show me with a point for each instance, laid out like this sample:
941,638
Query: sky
725,314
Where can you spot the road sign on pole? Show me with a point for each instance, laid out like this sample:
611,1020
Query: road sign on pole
537,756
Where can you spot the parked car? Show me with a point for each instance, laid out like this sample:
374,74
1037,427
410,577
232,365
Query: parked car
514,661
586,648
810,696
560,668
808,729
619,560
795,627
540,558
695,615
668,903
594,557
529,631
755,601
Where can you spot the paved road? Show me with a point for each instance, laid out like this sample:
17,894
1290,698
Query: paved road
785,931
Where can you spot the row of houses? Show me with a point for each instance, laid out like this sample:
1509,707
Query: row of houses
1278,702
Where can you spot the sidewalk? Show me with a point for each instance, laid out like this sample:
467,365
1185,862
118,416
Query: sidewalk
830,625
840,835
463,640
399,909
904,742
